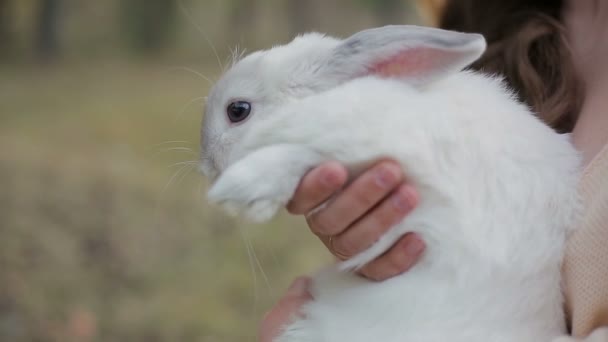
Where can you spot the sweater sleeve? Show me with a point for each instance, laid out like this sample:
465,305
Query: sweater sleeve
585,269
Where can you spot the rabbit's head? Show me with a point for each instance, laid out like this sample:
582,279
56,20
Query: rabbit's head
259,84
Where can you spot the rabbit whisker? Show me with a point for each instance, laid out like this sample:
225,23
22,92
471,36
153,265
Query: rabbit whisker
252,268
192,71
187,105
202,32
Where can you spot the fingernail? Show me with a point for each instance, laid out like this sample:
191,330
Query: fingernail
299,286
401,202
414,246
385,177
329,179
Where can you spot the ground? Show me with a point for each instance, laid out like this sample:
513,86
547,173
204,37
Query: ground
105,233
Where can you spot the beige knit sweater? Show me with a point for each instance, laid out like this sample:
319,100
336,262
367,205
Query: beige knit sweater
585,271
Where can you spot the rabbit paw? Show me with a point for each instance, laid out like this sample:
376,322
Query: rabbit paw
258,185
258,211
255,195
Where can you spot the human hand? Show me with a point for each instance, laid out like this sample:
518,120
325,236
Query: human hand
360,214
297,295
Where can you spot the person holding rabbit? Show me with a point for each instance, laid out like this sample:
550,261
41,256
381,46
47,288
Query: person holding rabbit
555,55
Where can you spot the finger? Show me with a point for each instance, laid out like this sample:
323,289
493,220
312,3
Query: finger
400,258
317,186
372,226
357,199
297,295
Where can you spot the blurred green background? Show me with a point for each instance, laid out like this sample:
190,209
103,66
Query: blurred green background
104,231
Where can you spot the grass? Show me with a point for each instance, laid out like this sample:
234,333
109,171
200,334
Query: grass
102,238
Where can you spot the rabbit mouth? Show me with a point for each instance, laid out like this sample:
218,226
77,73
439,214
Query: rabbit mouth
208,167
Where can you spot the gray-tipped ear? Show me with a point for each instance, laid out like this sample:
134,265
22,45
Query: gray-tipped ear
418,55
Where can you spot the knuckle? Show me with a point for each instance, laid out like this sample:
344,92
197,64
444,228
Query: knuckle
377,223
368,233
382,220
343,247
362,198
324,223
373,187
313,225
318,225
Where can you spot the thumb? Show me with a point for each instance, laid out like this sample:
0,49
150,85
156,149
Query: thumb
297,295
298,289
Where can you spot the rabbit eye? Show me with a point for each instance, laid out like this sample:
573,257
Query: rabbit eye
238,111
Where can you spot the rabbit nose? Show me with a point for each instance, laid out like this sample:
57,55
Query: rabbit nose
208,167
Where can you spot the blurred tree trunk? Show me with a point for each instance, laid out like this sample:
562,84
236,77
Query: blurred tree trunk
148,24
242,19
389,11
301,16
47,29
6,38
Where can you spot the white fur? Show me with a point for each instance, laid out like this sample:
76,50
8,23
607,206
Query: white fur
497,190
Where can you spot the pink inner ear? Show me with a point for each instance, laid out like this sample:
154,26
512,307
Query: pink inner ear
411,63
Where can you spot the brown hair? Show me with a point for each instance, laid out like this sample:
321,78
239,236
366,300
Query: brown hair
527,44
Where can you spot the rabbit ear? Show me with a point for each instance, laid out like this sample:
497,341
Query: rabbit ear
418,55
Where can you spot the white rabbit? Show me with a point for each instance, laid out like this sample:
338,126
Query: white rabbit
497,187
